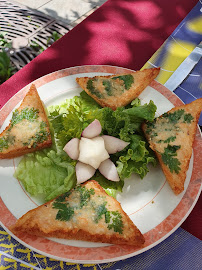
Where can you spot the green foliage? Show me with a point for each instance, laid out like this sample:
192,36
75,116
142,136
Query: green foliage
36,46
54,37
4,43
39,48
6,68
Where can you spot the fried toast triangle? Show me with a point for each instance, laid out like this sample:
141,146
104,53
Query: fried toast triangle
117,90
84,213
171,136
28,129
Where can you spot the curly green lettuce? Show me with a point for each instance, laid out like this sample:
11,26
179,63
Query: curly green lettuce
51,172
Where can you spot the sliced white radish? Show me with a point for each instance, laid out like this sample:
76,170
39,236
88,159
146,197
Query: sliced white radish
113,144
83,172
72,148
108,169
92,151
92,130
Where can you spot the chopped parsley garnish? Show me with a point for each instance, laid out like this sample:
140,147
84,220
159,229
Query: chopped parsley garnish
84,195
108,87
128,80
92,89
150,127
188,118
179,115
112,218
5,141
26,113
100,211
116,222
62,198
65,212
169,159
168,140
39,137
175,116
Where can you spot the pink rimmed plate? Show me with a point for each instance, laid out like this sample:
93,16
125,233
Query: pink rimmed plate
150,202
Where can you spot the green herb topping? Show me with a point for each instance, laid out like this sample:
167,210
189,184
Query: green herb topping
26,113
84,195
188,118
81,198
178,115
92,89
169,159
116,222
65,212
5,141
100,211
168,140
39,137
112,218
108,87
127,79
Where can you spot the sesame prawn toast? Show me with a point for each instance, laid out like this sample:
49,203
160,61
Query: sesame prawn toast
85,213
28,130
171,136
117,90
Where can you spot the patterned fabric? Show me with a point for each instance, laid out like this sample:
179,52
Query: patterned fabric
180,251
173,52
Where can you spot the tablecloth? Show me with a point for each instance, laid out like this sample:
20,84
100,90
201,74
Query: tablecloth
121,33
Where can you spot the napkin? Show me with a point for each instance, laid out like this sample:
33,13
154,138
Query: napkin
173,52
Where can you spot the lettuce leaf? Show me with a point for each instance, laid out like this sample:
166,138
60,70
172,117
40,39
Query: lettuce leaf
44,172
135,159
51,172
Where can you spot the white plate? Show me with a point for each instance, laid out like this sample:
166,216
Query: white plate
150,203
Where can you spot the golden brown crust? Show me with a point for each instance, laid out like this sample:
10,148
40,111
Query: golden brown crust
142,79
31,100
185,138
41,221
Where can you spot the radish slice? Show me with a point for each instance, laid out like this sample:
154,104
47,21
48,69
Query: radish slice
83,172
92,130
108,170
92,151
113,144
72,148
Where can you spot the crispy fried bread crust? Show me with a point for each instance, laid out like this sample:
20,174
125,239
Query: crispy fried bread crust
31,100
142,79
185,136
42,221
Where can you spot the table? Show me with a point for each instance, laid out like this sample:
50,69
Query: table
120,33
